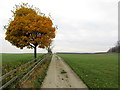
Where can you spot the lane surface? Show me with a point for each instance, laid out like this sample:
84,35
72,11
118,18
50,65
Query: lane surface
60,75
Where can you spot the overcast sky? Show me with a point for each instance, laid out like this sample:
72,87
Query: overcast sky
83,25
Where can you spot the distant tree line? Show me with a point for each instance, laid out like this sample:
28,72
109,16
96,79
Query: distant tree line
115,49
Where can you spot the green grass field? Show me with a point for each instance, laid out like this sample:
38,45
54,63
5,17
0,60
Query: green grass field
96,70
11,61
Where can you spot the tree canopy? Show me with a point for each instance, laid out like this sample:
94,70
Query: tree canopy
30,28
115,48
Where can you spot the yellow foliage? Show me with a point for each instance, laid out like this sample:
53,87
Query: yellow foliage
29,29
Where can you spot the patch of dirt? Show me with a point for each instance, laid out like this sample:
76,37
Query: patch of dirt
60,75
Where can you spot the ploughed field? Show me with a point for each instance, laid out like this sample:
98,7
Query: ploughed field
12,61
96,70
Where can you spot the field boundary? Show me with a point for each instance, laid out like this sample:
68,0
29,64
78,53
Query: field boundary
20,76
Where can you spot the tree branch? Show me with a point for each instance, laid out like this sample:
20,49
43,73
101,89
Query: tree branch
31,45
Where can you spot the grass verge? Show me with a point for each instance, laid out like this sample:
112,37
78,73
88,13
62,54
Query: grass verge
37,78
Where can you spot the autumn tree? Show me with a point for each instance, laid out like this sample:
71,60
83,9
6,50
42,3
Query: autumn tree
30,28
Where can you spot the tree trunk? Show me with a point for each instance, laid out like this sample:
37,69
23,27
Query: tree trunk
35,52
